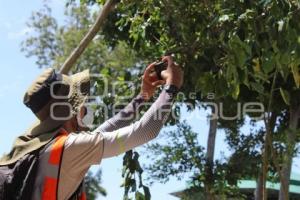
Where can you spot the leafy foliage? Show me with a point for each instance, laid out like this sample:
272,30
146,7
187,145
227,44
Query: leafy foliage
183,156
233,49
239,51
131,169
92,184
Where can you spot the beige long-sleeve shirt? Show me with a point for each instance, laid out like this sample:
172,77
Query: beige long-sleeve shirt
112,138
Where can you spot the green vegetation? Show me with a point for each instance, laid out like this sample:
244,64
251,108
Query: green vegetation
232,52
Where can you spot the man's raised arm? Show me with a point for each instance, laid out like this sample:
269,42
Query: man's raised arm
148,127
129,113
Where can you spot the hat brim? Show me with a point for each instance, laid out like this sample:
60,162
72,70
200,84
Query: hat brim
51,125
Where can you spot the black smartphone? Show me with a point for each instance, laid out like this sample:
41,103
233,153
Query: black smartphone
159,67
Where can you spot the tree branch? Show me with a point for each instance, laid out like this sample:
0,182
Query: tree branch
109,5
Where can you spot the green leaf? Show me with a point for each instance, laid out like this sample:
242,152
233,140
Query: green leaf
256,65
296,73
105,71
240,50
280,25
236,91
268,64
202,83
224,18
257,87
285,96
244,77
120,78
139,196
284,71
247,15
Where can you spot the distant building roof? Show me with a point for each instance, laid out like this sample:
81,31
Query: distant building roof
294,184
248,186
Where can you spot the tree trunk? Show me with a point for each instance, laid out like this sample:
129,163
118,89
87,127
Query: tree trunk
109,5
209,178
259,188
260,191
288,157
270,122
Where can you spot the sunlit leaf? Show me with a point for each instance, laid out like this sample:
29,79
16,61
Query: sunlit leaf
285,96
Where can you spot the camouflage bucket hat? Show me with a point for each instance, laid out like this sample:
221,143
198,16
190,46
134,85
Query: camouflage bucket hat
55,98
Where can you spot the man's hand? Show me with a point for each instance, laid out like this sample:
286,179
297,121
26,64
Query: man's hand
173,75
150,82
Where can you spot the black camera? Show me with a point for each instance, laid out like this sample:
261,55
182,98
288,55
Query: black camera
159,67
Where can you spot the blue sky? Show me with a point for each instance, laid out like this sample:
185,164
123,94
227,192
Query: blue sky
17,72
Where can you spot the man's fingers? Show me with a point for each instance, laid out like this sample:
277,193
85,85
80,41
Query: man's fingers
152,74
168,59
164,74
148,69
160,82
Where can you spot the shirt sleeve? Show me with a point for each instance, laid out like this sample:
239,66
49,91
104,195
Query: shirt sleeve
88,148
82,150
124,117
140,132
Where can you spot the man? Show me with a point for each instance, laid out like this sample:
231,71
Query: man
65,150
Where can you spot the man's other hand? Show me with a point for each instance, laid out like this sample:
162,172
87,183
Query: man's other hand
150,82
173,75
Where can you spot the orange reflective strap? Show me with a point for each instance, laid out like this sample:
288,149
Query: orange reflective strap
50,186
51,183
83,196
57,148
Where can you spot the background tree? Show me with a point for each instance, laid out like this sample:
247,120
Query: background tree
92,185
240,51
253,45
